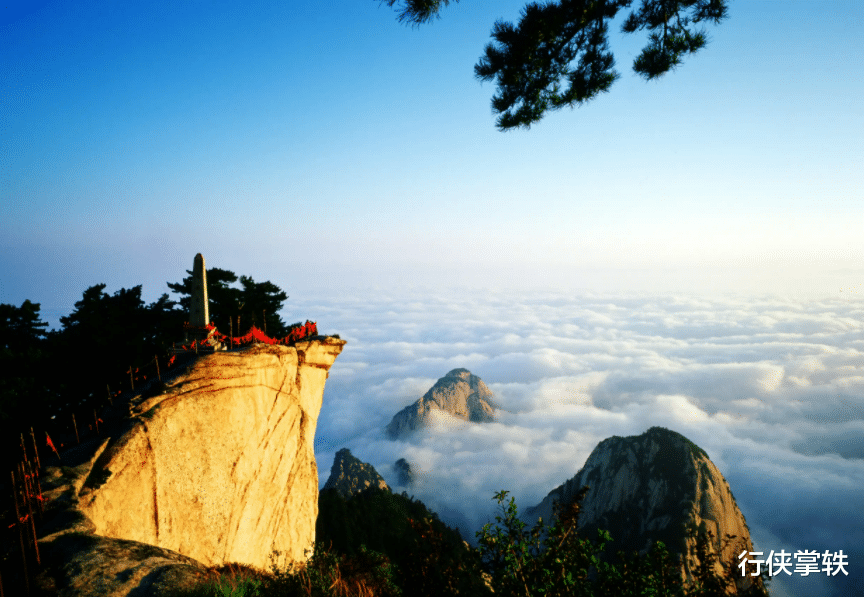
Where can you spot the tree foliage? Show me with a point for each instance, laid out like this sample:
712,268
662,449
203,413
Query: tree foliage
22,357
330,574
254,302
21,327
558,55
540,560
107,333
556,561
429,558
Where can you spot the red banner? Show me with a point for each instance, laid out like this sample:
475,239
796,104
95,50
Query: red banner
295,334
51,444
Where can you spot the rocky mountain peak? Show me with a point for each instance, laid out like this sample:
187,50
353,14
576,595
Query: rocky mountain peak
460,373
657,486
459,393
349,475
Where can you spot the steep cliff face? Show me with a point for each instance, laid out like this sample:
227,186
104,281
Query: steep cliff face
653,487
220,467
349,475
459,393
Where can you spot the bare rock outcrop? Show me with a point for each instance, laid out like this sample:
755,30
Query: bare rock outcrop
76,562
459,393
657,486
405,476
349,475
216,467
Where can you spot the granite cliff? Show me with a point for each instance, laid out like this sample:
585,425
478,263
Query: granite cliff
349,475
653,487
216,465
459,393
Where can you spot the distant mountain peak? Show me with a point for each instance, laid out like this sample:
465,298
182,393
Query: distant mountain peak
657,486
349,475
461,373
459,393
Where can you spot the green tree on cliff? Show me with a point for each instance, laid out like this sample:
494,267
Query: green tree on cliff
22,358
430,559
557,561
106,333
558,54
253,302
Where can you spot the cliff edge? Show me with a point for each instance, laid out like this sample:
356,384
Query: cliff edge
216,465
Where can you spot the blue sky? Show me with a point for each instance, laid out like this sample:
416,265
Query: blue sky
334,148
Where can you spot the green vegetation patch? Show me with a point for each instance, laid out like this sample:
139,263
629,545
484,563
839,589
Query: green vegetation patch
429,557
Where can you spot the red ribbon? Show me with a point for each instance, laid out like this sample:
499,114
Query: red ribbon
51,445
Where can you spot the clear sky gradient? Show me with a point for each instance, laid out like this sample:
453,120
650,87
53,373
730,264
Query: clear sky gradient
328,146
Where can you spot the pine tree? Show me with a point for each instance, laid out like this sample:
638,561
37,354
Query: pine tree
256,303
558,56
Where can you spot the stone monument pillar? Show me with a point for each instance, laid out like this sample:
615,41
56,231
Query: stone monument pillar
199,312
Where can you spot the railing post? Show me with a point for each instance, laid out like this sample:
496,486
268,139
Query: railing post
35,475
18,523
27,493
38,465
23,449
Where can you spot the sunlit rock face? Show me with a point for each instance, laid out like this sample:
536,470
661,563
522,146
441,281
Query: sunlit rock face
349,475
653,487
220,467
459,393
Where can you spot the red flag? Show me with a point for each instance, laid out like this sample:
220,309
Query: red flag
22,520
51,444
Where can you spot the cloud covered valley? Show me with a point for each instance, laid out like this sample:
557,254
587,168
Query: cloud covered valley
771,388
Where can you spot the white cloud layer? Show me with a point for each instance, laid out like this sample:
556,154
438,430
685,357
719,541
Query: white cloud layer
771,388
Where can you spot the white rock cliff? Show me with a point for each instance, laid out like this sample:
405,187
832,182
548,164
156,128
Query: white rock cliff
220,467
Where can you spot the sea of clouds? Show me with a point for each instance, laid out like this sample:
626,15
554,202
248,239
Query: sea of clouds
771,388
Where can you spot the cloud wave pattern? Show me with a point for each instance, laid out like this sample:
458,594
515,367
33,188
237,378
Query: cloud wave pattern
772,388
